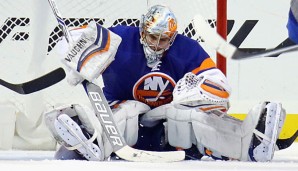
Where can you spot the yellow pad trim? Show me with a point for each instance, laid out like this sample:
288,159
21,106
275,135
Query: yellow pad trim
289,128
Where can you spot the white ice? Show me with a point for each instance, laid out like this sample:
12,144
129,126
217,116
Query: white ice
43,161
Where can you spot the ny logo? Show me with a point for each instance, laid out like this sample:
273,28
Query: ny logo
155,82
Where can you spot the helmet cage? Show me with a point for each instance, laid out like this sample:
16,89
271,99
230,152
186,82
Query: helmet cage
157,42
158,29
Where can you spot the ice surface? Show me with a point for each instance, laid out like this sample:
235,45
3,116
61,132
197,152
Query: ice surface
43,161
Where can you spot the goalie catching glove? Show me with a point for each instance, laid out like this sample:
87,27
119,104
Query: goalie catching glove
91,53
208,91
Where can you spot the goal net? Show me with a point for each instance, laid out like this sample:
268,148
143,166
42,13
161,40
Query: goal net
29,34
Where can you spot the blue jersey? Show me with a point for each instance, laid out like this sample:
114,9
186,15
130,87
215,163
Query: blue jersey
129,78
292,27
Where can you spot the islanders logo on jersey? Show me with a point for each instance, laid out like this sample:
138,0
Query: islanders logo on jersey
154,89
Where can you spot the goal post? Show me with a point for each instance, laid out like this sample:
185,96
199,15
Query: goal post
221,27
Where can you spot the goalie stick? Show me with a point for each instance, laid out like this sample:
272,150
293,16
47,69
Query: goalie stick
285,143
60,21
37,84
228,50
105,116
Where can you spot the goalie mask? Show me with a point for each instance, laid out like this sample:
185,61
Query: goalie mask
158,29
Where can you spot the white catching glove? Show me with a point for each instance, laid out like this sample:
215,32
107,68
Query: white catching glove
91,53
208,91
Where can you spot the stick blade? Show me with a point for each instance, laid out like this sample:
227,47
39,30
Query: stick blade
44,81
135,155
37,84
285,143
240,55
14,87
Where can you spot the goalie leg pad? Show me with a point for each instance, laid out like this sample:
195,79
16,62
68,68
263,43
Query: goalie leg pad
190,126
225,135
263,142
222,135
68,133
253,139
71,134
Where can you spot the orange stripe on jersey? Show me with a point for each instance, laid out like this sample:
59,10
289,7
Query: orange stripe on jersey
152,93
106,48
206,64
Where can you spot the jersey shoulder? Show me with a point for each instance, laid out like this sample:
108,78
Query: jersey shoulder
185,46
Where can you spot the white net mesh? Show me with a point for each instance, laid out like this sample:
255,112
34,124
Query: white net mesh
109,13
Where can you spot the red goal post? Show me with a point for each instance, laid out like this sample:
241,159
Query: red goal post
222,30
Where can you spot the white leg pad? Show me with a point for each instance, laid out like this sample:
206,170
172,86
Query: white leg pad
71,133
267,139
218,134
65,132
232,138
226,135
